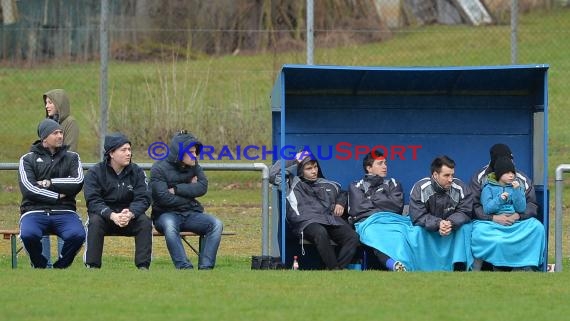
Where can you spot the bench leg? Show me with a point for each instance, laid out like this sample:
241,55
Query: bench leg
14,251
190,245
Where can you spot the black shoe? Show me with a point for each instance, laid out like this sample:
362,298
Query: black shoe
143,268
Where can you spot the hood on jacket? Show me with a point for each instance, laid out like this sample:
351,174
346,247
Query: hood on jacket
61,102
181,142
309,157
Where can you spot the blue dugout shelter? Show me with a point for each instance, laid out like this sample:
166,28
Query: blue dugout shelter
412,114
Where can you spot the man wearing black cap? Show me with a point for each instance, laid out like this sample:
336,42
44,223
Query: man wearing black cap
50,177
479,179
117,196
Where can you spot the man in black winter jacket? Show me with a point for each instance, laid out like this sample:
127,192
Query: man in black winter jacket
117,196
50,177
314,209
176,183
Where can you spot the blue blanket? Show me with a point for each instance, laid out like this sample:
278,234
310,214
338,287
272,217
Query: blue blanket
418,249
388,233
518,245
433,252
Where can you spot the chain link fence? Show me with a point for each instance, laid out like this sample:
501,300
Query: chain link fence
209,66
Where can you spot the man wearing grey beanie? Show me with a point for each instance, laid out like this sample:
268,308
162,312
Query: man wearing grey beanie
50,176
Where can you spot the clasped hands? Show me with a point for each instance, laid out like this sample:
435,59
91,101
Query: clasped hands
123,218
445,227
506,219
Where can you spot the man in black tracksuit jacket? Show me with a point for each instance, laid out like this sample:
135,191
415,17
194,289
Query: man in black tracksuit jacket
50,177
314,209
117,196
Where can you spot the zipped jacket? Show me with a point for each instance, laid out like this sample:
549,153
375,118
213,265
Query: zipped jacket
106,191
494,204
430,203
308,201
374,194
63,169
476,186
172,173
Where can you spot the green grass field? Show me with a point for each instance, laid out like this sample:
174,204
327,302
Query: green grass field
230,101
233,292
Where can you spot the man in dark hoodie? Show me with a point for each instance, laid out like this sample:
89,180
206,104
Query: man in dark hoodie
57,107
314,209
117,197
50,177
175,183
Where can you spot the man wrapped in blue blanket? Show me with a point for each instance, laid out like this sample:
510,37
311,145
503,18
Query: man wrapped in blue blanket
375,205
508,241
440,209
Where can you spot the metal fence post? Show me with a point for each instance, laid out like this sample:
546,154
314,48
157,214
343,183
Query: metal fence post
104,51
558,220
514,27
310,32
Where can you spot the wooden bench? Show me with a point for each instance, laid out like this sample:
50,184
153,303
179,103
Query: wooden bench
12,235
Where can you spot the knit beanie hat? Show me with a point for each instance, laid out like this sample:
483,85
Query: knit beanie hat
499,150
503,165
114,141
46,127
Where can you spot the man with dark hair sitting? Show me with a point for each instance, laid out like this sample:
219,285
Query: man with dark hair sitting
440,209
375,205
314,209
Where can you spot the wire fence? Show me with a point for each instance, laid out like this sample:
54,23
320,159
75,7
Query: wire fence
215,78
217,82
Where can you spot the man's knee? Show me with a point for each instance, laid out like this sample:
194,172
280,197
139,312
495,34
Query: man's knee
95,221
144,222
30,235
217,226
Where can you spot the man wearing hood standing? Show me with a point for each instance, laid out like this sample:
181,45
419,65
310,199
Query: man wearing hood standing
175,183
314,209
57,107
117,197
50,177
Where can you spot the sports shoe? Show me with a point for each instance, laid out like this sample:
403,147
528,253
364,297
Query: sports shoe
399,267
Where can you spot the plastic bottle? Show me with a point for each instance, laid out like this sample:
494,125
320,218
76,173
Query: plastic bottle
295,263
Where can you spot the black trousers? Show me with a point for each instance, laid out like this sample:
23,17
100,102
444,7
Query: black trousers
97,227
343,235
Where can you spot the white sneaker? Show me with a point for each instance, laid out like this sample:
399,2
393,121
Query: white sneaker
399,267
